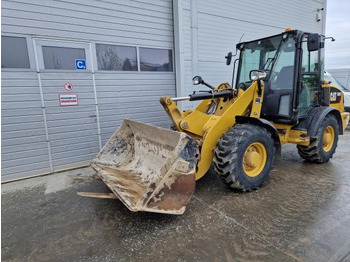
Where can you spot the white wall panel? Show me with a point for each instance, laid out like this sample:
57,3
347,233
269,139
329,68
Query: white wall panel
72,132
222,24
123,22
24,149
135,97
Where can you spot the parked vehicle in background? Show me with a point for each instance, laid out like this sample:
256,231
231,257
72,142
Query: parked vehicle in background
329,77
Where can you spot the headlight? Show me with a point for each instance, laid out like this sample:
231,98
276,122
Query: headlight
197,80
257,75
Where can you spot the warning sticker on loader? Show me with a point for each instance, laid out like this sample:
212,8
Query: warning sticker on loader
68,100
335,96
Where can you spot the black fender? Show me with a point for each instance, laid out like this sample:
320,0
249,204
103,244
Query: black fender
263,123
315,118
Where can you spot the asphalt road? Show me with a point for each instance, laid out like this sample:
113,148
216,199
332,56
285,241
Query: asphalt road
302,213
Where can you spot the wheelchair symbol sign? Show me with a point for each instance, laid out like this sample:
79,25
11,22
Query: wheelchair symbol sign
80,64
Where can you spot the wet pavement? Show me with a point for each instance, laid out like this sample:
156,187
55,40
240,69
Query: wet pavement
302,213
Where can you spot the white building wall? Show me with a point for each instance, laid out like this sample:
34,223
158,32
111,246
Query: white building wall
24,148
72,133
220,26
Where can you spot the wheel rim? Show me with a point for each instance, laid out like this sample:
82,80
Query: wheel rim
254,159
328,138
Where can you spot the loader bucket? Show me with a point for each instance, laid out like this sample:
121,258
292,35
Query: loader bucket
149,168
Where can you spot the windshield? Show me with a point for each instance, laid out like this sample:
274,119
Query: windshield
330,78
258,55
271,55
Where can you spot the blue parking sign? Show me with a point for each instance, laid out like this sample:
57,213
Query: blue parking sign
80,64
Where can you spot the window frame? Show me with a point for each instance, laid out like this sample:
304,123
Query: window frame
116,71
34,44
39,43
138,71
30,50
308,55
167,49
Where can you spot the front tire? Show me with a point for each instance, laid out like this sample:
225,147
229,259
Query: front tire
244,156
323,146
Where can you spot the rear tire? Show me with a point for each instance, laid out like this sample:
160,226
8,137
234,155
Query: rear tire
322,148
244,156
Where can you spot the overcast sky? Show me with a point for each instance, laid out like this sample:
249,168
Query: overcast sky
338,26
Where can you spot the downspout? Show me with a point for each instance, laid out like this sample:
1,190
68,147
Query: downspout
194,34
324,17
180,85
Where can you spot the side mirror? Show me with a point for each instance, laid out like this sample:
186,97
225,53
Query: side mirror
197,80
256,75
228,58
313,42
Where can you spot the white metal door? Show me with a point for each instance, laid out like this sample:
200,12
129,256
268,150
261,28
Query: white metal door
67,84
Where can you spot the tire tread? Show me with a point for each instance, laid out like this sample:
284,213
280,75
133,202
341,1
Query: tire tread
226,154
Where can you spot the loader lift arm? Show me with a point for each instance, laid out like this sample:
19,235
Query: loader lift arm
206,128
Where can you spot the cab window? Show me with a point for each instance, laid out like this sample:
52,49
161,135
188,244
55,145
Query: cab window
308,96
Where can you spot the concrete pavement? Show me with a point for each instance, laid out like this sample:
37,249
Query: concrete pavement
302,213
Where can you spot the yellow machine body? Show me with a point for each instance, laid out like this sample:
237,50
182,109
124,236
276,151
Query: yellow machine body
153,169
208,129
336,100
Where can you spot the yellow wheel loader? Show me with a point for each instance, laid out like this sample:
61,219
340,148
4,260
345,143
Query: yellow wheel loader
278,97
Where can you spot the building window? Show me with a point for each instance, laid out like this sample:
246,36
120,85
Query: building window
116,58
14,52
156,59
61,57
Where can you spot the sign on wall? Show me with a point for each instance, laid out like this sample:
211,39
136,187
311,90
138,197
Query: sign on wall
68,100
68,86
80,64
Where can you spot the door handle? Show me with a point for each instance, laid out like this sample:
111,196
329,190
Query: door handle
93,115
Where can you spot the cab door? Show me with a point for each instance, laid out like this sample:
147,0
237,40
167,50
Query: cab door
278,97
309,78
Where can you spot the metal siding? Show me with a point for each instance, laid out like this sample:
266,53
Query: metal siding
66,123
134,96
23,142
122,22
342,75
72,132
220,27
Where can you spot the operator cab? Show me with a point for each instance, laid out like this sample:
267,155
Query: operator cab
291,61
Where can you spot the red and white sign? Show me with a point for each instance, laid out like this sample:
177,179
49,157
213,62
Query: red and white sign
69,100
68,86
